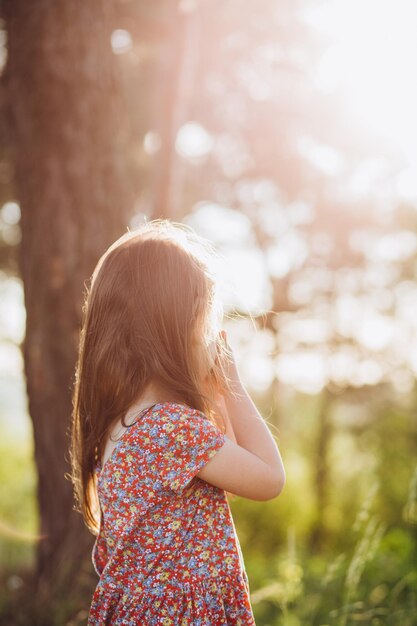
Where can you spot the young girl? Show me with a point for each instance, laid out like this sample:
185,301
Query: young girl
151,466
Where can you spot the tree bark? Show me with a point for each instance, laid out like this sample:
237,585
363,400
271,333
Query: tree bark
179,61
69,130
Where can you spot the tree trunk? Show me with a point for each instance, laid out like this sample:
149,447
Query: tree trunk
179,61
68,132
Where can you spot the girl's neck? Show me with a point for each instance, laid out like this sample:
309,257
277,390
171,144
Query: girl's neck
151,395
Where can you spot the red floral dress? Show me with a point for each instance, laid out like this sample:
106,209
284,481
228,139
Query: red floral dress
167,552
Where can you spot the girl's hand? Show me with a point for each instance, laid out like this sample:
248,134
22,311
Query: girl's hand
222,410
228,361
230,368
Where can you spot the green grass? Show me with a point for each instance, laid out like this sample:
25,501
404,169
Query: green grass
372,581
18,510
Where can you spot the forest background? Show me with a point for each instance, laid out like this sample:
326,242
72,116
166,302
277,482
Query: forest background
284,132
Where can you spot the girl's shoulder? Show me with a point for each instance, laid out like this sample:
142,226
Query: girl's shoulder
177,411
176,416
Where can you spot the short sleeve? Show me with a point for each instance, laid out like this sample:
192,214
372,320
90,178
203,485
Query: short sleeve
182,441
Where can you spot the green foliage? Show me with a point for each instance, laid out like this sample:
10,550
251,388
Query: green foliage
365,568
18,509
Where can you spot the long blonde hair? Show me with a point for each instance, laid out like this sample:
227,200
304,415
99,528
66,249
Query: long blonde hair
152,296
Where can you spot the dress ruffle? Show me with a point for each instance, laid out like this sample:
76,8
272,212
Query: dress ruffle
205,602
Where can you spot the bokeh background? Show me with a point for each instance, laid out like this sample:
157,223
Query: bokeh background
286,133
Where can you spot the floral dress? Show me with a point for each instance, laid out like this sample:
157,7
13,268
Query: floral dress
167,551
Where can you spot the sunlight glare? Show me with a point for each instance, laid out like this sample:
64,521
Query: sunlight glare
193,141
304,370
220,224
371,58
121,41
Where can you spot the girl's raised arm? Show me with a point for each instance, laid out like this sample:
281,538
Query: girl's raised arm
251,466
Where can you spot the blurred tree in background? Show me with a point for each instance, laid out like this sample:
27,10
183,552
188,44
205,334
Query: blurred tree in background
225,116
68,129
